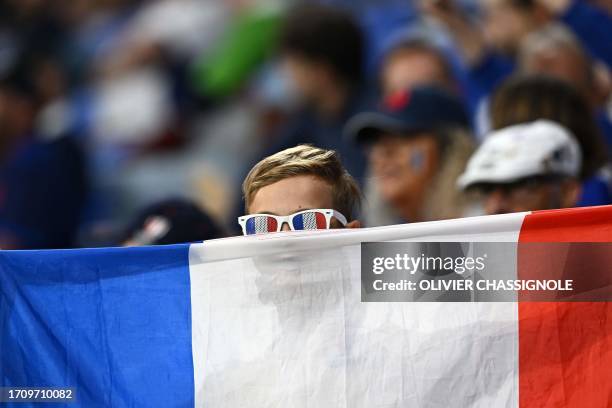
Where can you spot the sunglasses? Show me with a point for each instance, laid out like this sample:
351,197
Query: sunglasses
300,221
526,185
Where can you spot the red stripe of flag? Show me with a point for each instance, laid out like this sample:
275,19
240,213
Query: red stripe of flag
565,349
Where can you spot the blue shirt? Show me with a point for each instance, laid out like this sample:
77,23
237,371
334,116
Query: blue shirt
42,190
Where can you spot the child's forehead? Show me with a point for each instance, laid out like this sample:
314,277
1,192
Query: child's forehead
292,194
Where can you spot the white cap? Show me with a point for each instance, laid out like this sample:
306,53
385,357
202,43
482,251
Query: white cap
539,148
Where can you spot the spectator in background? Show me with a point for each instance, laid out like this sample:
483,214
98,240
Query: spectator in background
506,22
172,221
322,51
524,99
489,50
43,181
556,52
414,62
418,143
526,167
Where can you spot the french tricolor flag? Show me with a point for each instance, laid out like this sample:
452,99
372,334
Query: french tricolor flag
276,320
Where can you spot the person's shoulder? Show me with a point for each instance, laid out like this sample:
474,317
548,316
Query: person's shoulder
38,155
597,189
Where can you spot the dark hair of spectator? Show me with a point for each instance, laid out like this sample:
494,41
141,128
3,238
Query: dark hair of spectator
523,4
523,99
326,35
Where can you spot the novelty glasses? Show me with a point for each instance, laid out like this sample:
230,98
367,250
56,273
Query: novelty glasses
304,220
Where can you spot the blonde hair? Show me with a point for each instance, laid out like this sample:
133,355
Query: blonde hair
443,199
305,160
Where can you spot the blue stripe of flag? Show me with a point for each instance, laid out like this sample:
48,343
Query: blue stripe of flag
114,323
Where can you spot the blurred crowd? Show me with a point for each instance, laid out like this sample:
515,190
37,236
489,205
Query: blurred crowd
134,122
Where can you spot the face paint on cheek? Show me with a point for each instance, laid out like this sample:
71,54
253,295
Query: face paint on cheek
417,160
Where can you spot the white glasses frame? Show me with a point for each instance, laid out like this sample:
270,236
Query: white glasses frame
286,219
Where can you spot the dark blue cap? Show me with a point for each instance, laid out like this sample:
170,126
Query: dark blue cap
406,112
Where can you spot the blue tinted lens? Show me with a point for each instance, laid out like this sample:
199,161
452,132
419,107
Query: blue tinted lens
311,220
